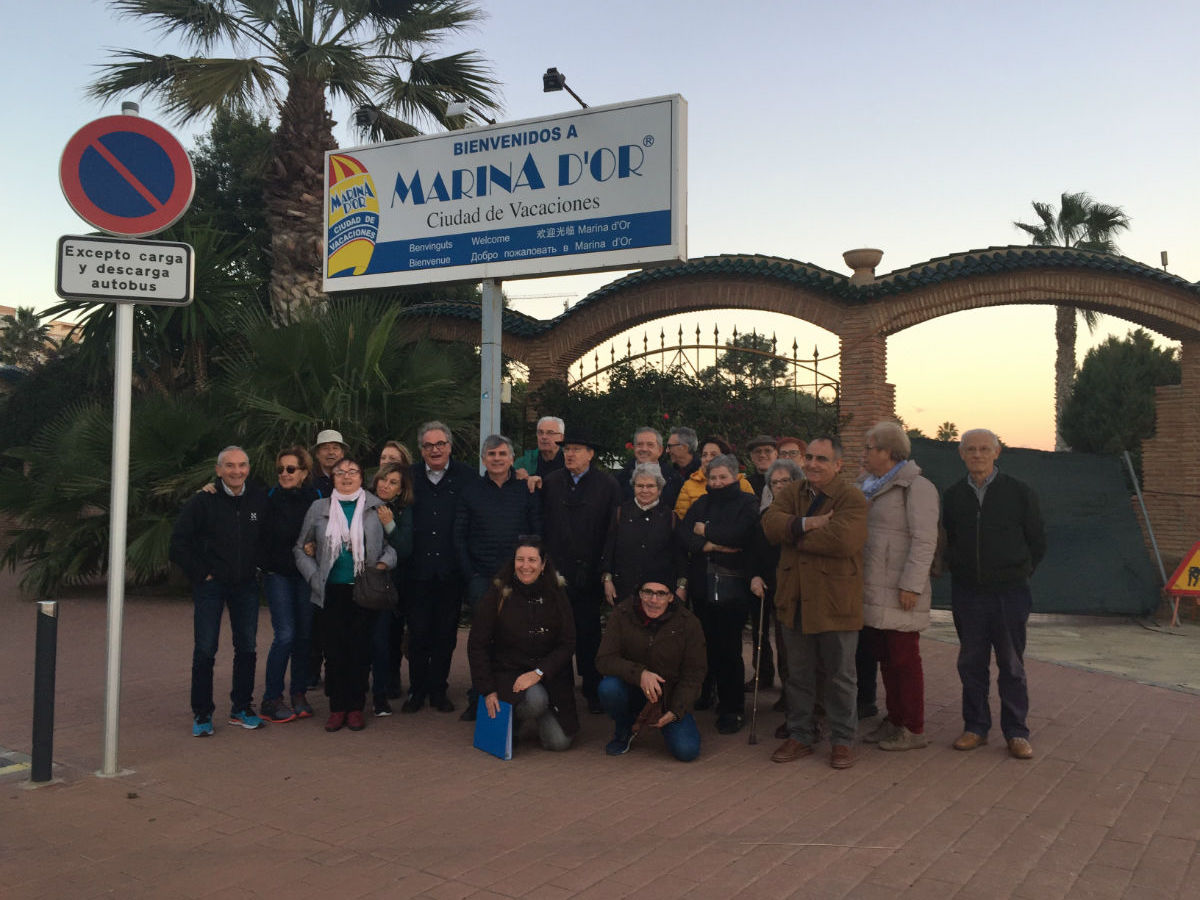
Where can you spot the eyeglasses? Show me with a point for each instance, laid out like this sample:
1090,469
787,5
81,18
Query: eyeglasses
789,454
435,445
671,446
342,473
656,595
291,470
542,433
780,482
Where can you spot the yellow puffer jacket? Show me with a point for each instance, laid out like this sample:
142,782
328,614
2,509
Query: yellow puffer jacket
697,486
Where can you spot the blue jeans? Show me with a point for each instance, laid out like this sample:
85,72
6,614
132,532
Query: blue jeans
624,701
288,597
386,636
210,598
986,620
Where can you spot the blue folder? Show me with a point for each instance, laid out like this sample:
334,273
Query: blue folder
494,736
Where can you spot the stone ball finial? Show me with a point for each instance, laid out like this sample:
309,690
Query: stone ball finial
863,262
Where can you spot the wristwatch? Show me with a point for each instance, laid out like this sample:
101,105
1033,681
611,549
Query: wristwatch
540,673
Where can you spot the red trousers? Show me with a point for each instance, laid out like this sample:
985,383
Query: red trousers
899,655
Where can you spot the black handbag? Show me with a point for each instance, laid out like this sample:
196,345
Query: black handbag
374,589
726,591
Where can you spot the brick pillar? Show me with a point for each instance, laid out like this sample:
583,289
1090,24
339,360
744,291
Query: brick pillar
541,370
866,397
1170,465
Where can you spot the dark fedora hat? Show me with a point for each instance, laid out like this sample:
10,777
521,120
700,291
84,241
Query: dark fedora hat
579,436
762,440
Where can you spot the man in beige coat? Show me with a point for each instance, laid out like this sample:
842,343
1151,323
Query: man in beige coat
820,524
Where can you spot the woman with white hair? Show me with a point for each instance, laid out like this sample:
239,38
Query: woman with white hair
643,533
902,526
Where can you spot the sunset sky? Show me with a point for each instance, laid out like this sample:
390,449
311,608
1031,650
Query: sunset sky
920,128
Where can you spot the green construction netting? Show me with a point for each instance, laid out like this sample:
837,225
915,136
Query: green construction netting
1096,561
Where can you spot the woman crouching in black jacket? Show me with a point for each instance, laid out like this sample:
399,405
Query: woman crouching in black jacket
522,639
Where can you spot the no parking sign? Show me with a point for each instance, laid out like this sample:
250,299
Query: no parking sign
131,178
127,176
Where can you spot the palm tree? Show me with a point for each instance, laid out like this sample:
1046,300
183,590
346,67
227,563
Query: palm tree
24,339
295,55
1083,223
947,432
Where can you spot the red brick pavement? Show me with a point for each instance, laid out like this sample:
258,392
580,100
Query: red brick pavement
1108,808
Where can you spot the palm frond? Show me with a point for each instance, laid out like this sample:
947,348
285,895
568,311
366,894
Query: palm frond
191,87
376,125
200,24
430,82
402,25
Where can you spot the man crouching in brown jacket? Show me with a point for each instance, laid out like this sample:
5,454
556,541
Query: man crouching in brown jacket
820,524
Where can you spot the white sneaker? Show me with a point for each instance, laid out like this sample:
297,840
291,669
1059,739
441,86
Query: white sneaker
885,730
904,740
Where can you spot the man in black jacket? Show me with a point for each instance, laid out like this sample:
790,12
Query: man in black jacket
218,542
434,585
579,503
648,448
994,540
493,511
681,451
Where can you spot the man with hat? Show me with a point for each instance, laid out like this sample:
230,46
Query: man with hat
579,504
328,451
653,658
763,451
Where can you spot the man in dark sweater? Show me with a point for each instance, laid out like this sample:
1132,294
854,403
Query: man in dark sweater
994,540
648,448
579,503
434,585
493,511
218,541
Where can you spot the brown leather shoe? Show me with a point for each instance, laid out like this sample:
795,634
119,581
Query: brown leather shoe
781,733
791,750
842,757
969,740
1020,748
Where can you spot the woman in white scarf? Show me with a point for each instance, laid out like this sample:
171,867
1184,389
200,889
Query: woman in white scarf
348,538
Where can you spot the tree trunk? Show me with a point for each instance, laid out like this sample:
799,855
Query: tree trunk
293,198
1065,328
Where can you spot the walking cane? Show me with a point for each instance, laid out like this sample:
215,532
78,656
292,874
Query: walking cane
757,662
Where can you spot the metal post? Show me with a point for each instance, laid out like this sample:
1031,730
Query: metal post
491,360
118,516
1146,515
43,691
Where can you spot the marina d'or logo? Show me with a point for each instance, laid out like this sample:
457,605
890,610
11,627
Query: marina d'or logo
352,217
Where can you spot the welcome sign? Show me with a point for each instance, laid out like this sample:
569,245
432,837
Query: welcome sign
593,189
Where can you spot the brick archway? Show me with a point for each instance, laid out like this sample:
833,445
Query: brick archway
864,310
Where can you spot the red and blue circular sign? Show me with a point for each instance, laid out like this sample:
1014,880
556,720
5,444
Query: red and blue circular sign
127,176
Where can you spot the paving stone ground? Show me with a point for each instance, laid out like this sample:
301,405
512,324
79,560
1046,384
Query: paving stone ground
1110,806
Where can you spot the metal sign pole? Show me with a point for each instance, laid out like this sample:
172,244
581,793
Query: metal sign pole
118,515
491,360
